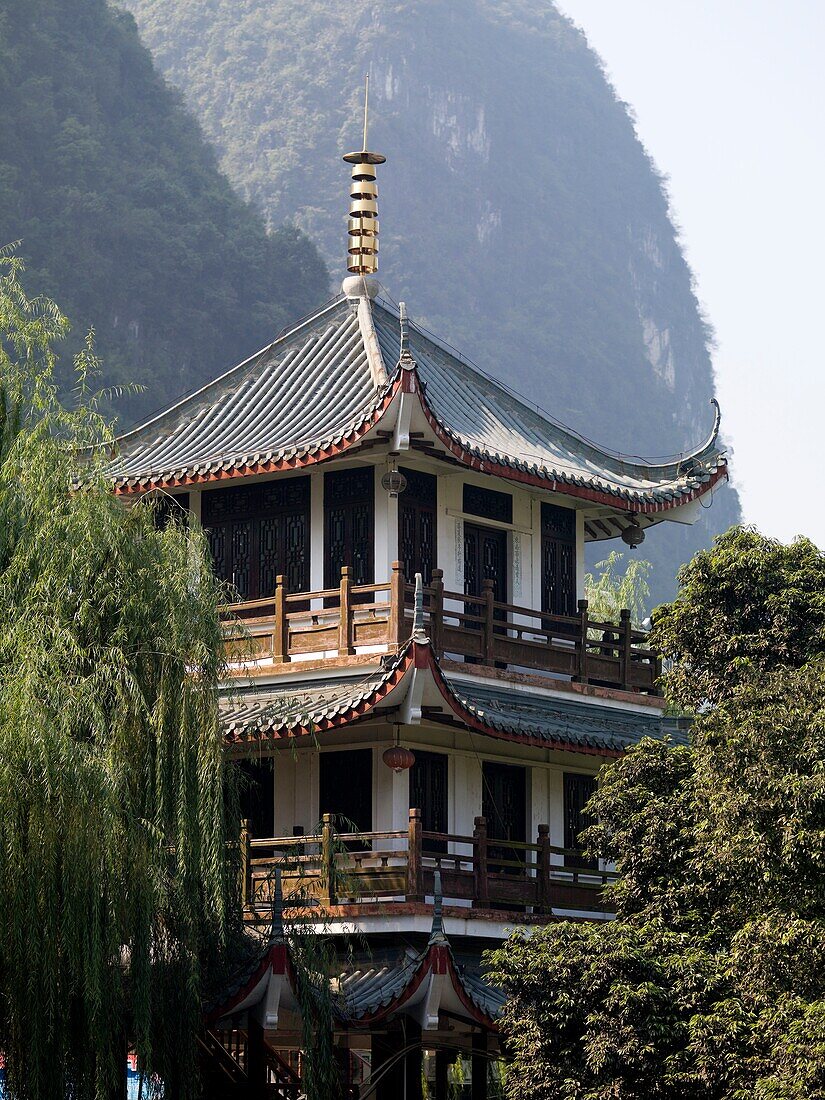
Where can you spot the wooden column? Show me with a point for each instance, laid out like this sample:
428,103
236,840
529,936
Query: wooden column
328,860
280,633
581,644
415,885
255,1061
384,1048
478,1090
487,596
246,863
412,1061
626,635
397,630
482,886
443,1061
345,646
437,613
543,842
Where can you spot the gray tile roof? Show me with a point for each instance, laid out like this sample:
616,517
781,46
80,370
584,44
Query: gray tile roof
314,386
493,423
552,719
307,390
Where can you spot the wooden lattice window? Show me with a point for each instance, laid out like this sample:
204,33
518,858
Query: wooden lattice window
416,525
558,560
256,532
349,525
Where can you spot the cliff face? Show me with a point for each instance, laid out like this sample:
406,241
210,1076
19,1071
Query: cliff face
521,218
124,216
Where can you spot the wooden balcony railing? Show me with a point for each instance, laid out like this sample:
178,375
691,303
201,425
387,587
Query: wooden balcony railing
341,869
353,618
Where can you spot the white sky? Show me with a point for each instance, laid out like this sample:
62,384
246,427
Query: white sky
729,97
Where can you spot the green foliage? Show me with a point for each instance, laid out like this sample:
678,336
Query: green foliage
113,841
711,981
750,604
611,590
123,213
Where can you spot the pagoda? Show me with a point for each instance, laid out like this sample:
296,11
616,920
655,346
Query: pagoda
417,693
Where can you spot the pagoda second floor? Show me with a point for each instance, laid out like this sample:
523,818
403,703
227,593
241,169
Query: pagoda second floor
356,452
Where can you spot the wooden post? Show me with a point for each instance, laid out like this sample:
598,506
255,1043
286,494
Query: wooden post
437,612
544,868
255,1060
442,1069
246,864
415,884
478,1084
487,602
482,885
280,633
581,675
626,635
328,859
345,647
397,630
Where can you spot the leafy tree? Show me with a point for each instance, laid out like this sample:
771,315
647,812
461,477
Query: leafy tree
113,868
611,590
710,982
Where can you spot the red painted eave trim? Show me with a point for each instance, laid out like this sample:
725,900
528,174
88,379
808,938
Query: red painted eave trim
550,484
424,657
355,713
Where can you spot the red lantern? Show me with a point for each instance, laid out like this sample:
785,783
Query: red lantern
398,758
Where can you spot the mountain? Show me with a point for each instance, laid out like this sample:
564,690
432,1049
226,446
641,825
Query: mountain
521,217
124,216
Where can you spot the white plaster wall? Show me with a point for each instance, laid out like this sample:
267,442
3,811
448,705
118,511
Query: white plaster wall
296,791
316,537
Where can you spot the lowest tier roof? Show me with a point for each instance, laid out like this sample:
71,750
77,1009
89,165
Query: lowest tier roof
324,384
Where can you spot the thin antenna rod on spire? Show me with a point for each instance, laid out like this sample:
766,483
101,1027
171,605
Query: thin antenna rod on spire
366,104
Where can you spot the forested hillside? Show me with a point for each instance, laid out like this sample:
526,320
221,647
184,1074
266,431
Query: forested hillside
124,217
521,217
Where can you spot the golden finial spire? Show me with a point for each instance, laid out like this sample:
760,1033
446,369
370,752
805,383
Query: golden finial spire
362,244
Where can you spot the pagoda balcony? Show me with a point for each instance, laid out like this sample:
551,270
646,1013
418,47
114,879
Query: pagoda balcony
362,619
363,874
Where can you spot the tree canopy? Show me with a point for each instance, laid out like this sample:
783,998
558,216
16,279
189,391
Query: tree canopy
123,214
710,982
113,831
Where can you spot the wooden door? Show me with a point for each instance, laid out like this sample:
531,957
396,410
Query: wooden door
416,525
349,525
504,804
345,789
485,558
428,793
256,796
577,791
558,560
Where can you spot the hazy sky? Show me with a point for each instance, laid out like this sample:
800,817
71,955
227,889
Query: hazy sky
729,97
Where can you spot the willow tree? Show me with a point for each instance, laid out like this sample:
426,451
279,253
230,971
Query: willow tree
113,872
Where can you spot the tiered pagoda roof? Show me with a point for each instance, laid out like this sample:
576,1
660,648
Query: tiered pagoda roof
333,385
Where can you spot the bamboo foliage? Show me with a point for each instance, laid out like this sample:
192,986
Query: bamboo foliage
113,832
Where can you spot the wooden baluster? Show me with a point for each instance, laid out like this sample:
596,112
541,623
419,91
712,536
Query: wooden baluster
280,634
437,612
328,860
345,629
482,885
581,644
246,864
487,597
626,635
543,842
415,875
397,629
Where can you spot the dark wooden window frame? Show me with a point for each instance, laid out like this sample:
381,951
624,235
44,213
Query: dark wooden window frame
265,526
349,525
558,560
417,512
487,503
